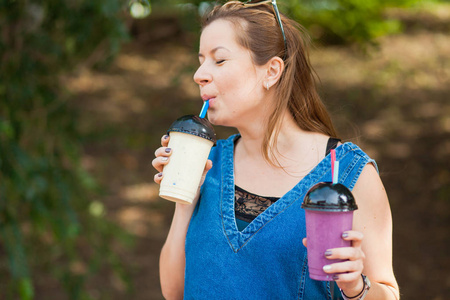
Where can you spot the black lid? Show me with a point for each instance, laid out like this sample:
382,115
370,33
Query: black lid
326,196
194,125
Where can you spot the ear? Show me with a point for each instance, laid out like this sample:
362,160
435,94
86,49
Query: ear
274,69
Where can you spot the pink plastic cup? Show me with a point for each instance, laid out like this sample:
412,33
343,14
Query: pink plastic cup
328,212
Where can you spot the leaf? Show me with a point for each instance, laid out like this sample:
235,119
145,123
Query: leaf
26,290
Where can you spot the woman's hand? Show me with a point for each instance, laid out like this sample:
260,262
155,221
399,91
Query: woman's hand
162,157
347,273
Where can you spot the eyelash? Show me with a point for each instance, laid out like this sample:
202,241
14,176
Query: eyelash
219,62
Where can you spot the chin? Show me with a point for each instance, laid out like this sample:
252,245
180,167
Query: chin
218,120
215,121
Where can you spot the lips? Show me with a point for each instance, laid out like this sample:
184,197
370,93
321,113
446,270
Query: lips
211,99
207,97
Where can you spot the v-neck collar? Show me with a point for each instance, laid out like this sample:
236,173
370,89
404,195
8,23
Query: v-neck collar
238,239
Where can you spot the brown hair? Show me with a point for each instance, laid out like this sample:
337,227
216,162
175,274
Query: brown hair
257,30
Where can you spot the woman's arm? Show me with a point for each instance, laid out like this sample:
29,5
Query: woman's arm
371,251
172,259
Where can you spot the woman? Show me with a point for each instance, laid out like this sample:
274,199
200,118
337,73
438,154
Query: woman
241,237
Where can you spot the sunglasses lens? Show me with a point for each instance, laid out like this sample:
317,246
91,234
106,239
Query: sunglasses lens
256,1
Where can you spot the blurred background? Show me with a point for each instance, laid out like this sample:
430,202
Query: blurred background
87,89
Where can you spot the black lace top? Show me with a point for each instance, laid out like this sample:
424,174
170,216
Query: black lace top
247,206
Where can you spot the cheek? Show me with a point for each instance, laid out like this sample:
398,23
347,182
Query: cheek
237,84
229,79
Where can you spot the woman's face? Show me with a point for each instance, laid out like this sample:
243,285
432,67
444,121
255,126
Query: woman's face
228,77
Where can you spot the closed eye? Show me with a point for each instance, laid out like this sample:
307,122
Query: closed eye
220,61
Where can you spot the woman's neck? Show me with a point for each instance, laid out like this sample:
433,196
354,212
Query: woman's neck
297,153
290,141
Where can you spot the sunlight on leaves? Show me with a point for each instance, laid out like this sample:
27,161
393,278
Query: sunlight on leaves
139,9
97,209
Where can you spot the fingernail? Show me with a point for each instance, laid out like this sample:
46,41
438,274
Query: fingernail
328,253
168,150
165,159
335,277
165,137
327,268
345,235
159,174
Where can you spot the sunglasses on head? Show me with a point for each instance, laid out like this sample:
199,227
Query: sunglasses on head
277,15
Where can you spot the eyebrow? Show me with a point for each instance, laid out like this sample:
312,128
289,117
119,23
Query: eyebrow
214,50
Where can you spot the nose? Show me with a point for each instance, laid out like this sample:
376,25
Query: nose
202,76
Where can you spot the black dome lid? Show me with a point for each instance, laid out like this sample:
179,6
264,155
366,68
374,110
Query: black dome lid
194,125
326,196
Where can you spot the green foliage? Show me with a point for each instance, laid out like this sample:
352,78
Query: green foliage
45,194
347,21
338,21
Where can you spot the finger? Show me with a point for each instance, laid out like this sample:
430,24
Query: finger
163,151
350,253
354,236
208,166
165,140
159,162
344,267
347,277
305,242
158,177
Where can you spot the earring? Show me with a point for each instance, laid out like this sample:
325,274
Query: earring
267,86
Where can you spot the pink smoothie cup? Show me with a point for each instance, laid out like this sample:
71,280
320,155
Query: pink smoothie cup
328,212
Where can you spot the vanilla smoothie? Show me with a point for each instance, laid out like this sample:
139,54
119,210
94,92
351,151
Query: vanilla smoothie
191,139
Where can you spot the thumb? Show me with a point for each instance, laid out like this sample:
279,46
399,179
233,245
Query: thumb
208,167
305,242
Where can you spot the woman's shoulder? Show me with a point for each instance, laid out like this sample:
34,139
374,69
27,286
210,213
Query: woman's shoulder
353,161
349,148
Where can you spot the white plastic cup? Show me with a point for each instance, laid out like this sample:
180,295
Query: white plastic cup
191,139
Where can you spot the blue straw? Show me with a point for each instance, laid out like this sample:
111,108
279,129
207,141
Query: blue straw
336,172
204,109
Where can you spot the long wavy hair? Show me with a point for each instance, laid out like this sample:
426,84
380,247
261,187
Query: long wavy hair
257,30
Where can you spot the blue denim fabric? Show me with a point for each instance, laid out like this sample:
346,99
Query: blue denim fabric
266,260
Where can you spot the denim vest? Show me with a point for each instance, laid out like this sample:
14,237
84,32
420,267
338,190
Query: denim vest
266,260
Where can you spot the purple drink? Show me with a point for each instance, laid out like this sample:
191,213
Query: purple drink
329,212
